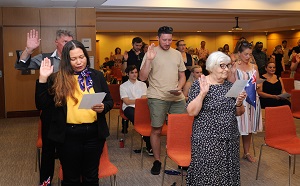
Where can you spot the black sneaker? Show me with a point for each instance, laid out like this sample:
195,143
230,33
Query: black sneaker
155,170
149,151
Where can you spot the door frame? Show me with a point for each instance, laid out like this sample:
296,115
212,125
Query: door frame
2,92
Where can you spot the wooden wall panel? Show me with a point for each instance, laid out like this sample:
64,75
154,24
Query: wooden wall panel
21,17
19,89
1,16
86,17
62,17
88,32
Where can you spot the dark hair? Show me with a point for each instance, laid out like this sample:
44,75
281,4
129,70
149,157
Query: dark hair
65,64
130,68
257,43
177,43
136,40
284,41
243,45
164,30
117,49
144,45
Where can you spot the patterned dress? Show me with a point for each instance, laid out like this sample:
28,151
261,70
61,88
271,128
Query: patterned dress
251,120
215,139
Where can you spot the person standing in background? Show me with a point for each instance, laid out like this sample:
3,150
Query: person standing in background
286,58
203,52
260,57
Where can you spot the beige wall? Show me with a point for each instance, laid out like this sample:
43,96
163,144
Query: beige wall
109,41
20,89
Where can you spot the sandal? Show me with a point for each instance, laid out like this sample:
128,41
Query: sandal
249,158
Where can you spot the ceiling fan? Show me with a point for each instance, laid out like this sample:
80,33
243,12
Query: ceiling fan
237,28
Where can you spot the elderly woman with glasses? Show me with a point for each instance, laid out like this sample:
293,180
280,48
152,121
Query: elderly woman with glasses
215,134
251,121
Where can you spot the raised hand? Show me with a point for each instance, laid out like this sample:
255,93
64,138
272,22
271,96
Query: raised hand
151,53
46,70
33,40
204,85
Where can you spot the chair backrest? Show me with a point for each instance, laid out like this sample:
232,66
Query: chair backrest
295,100
288,84
285,74
279,124
142,112
179,132
114,90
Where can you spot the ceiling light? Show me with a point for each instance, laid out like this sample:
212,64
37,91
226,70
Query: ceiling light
293,29
198,30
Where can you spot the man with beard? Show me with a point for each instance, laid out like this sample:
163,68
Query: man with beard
164,68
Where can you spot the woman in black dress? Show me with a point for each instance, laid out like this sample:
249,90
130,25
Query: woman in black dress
271,89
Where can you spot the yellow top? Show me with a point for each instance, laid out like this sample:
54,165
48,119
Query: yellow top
79,116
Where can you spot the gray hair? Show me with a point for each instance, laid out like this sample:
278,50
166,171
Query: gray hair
60,33
216,58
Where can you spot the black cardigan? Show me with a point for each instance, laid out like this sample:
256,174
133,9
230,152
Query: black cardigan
55,117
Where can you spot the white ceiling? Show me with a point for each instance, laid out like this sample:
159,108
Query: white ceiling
182,15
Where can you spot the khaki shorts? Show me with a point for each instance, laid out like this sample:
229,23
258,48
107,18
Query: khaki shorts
160,108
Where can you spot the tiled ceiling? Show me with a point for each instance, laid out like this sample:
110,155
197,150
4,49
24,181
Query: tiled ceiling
182,15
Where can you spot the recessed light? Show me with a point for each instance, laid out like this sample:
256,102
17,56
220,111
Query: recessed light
229,30
131,31
293,29
198,30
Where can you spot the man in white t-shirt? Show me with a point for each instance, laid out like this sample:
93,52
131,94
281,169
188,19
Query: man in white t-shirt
163,66
129,92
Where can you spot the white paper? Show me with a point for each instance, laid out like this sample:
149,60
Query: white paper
285,95
260,81
236,88
89,100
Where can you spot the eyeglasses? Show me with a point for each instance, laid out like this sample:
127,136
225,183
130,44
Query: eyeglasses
165,28
223,66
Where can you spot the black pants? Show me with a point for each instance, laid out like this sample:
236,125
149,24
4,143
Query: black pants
129,113
48,155
80,154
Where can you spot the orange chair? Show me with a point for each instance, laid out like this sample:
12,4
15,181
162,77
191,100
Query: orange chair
178,146
288,84
118,75
281,134
39,144
114,90
121,114
286,74
142,123
295,101
106,168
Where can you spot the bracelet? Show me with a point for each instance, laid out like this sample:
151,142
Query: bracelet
239,105
26,49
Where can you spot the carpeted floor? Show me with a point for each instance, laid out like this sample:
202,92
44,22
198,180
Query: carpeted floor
18,152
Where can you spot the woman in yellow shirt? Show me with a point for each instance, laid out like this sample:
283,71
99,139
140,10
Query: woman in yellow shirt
80,133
